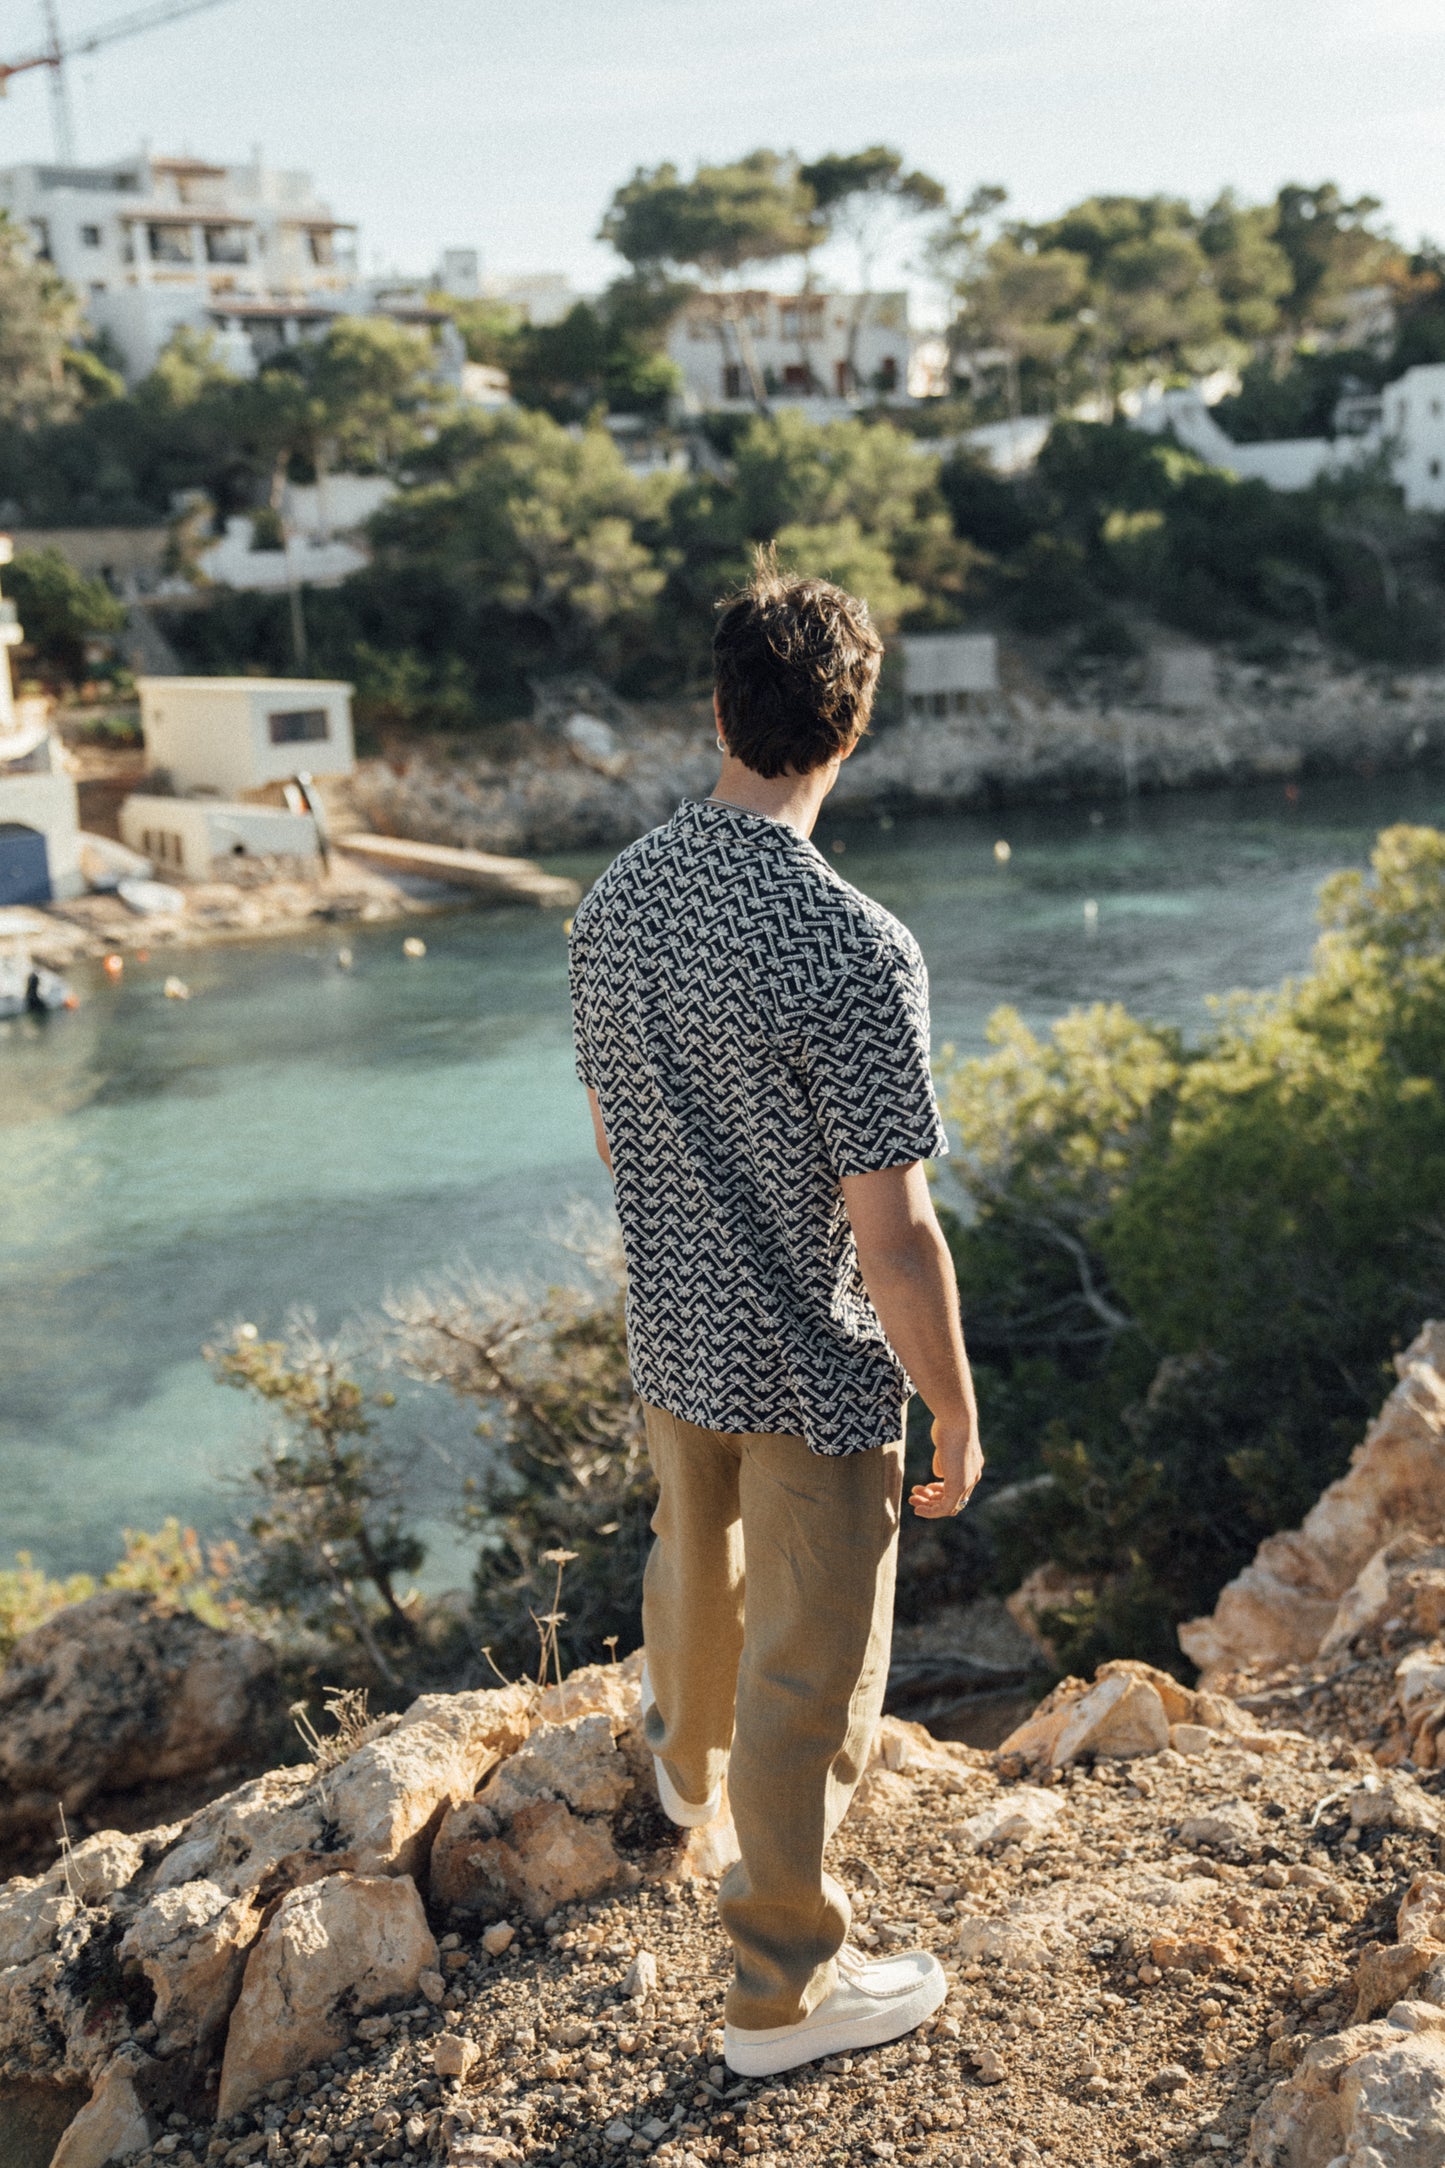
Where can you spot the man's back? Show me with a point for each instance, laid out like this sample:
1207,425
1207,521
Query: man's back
754,1030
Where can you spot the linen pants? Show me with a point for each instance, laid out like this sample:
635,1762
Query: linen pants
767,1615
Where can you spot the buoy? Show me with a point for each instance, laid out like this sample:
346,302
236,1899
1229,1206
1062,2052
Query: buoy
1091,912
113,966
885,821
838,846
413,945
1002,853
343,958
177,990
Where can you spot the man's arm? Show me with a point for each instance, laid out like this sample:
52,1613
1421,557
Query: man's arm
604,1149
909,1276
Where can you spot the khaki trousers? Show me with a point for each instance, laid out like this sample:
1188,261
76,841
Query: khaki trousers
767,1615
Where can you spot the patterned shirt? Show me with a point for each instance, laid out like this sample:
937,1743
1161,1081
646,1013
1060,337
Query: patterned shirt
754,1029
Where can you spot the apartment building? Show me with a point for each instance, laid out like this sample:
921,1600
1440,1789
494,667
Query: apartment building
732,348
248,252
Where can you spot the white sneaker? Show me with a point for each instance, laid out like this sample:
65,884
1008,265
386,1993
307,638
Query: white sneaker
874,2001
674,1806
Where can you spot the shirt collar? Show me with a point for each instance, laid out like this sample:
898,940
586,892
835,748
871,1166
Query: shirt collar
709,817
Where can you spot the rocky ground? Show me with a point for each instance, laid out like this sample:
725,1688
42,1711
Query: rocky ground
1180,1928
1155,1950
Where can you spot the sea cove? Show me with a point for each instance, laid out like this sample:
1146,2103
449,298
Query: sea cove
303,1133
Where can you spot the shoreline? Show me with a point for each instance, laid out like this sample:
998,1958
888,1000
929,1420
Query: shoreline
535,795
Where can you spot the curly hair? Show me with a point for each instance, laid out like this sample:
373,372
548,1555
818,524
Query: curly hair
796,663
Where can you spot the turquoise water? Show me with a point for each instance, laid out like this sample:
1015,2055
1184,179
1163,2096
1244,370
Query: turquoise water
299,1134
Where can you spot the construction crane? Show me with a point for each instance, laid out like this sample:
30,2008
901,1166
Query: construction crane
58,50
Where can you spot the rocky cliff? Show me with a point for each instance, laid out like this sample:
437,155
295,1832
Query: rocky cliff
543,790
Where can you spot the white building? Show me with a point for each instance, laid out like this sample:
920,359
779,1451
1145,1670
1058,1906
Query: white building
226,736
39,809
943,672
195,837
249,252
730,347
1403,426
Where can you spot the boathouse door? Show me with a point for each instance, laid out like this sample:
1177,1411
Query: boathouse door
24,865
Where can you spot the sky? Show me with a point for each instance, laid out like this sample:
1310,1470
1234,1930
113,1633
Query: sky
503,127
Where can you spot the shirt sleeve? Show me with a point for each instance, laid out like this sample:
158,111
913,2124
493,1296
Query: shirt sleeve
577,988
867,1062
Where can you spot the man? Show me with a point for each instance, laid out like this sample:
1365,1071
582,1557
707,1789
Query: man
753,1036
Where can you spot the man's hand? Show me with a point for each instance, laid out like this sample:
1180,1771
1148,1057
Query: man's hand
957,1466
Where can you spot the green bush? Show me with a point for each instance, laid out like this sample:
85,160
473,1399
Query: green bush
1185,1268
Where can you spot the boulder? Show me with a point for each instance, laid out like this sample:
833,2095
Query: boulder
1393,1802
611,1690
1385,1973
548,1857
1119,1717
576,1761
537,1834
112,2126
118,1692
374,1814
333,1949
191,1944
1281,1608
1373,2095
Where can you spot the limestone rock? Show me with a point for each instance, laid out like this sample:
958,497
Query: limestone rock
333,1948
1023,1812
453,2055
1280,1609
536,1836
387,1800
112,2126
1120,1717
1385,1972
1373,2095
1233,1822
375,1814
1421,1917
548,1857
1025,1943
116,1692
1394,1802
611,1690
576,1761
191,1944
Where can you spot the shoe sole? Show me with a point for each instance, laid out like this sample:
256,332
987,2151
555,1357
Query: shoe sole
797,2044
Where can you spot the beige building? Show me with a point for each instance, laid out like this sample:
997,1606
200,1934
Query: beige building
196,837
227,736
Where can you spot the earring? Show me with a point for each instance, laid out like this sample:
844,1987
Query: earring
721,743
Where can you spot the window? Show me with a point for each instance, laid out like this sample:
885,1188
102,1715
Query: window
888,373
732,381
163,845
225,244
322,247
795,377
170,244
40,238
90,237
298,726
